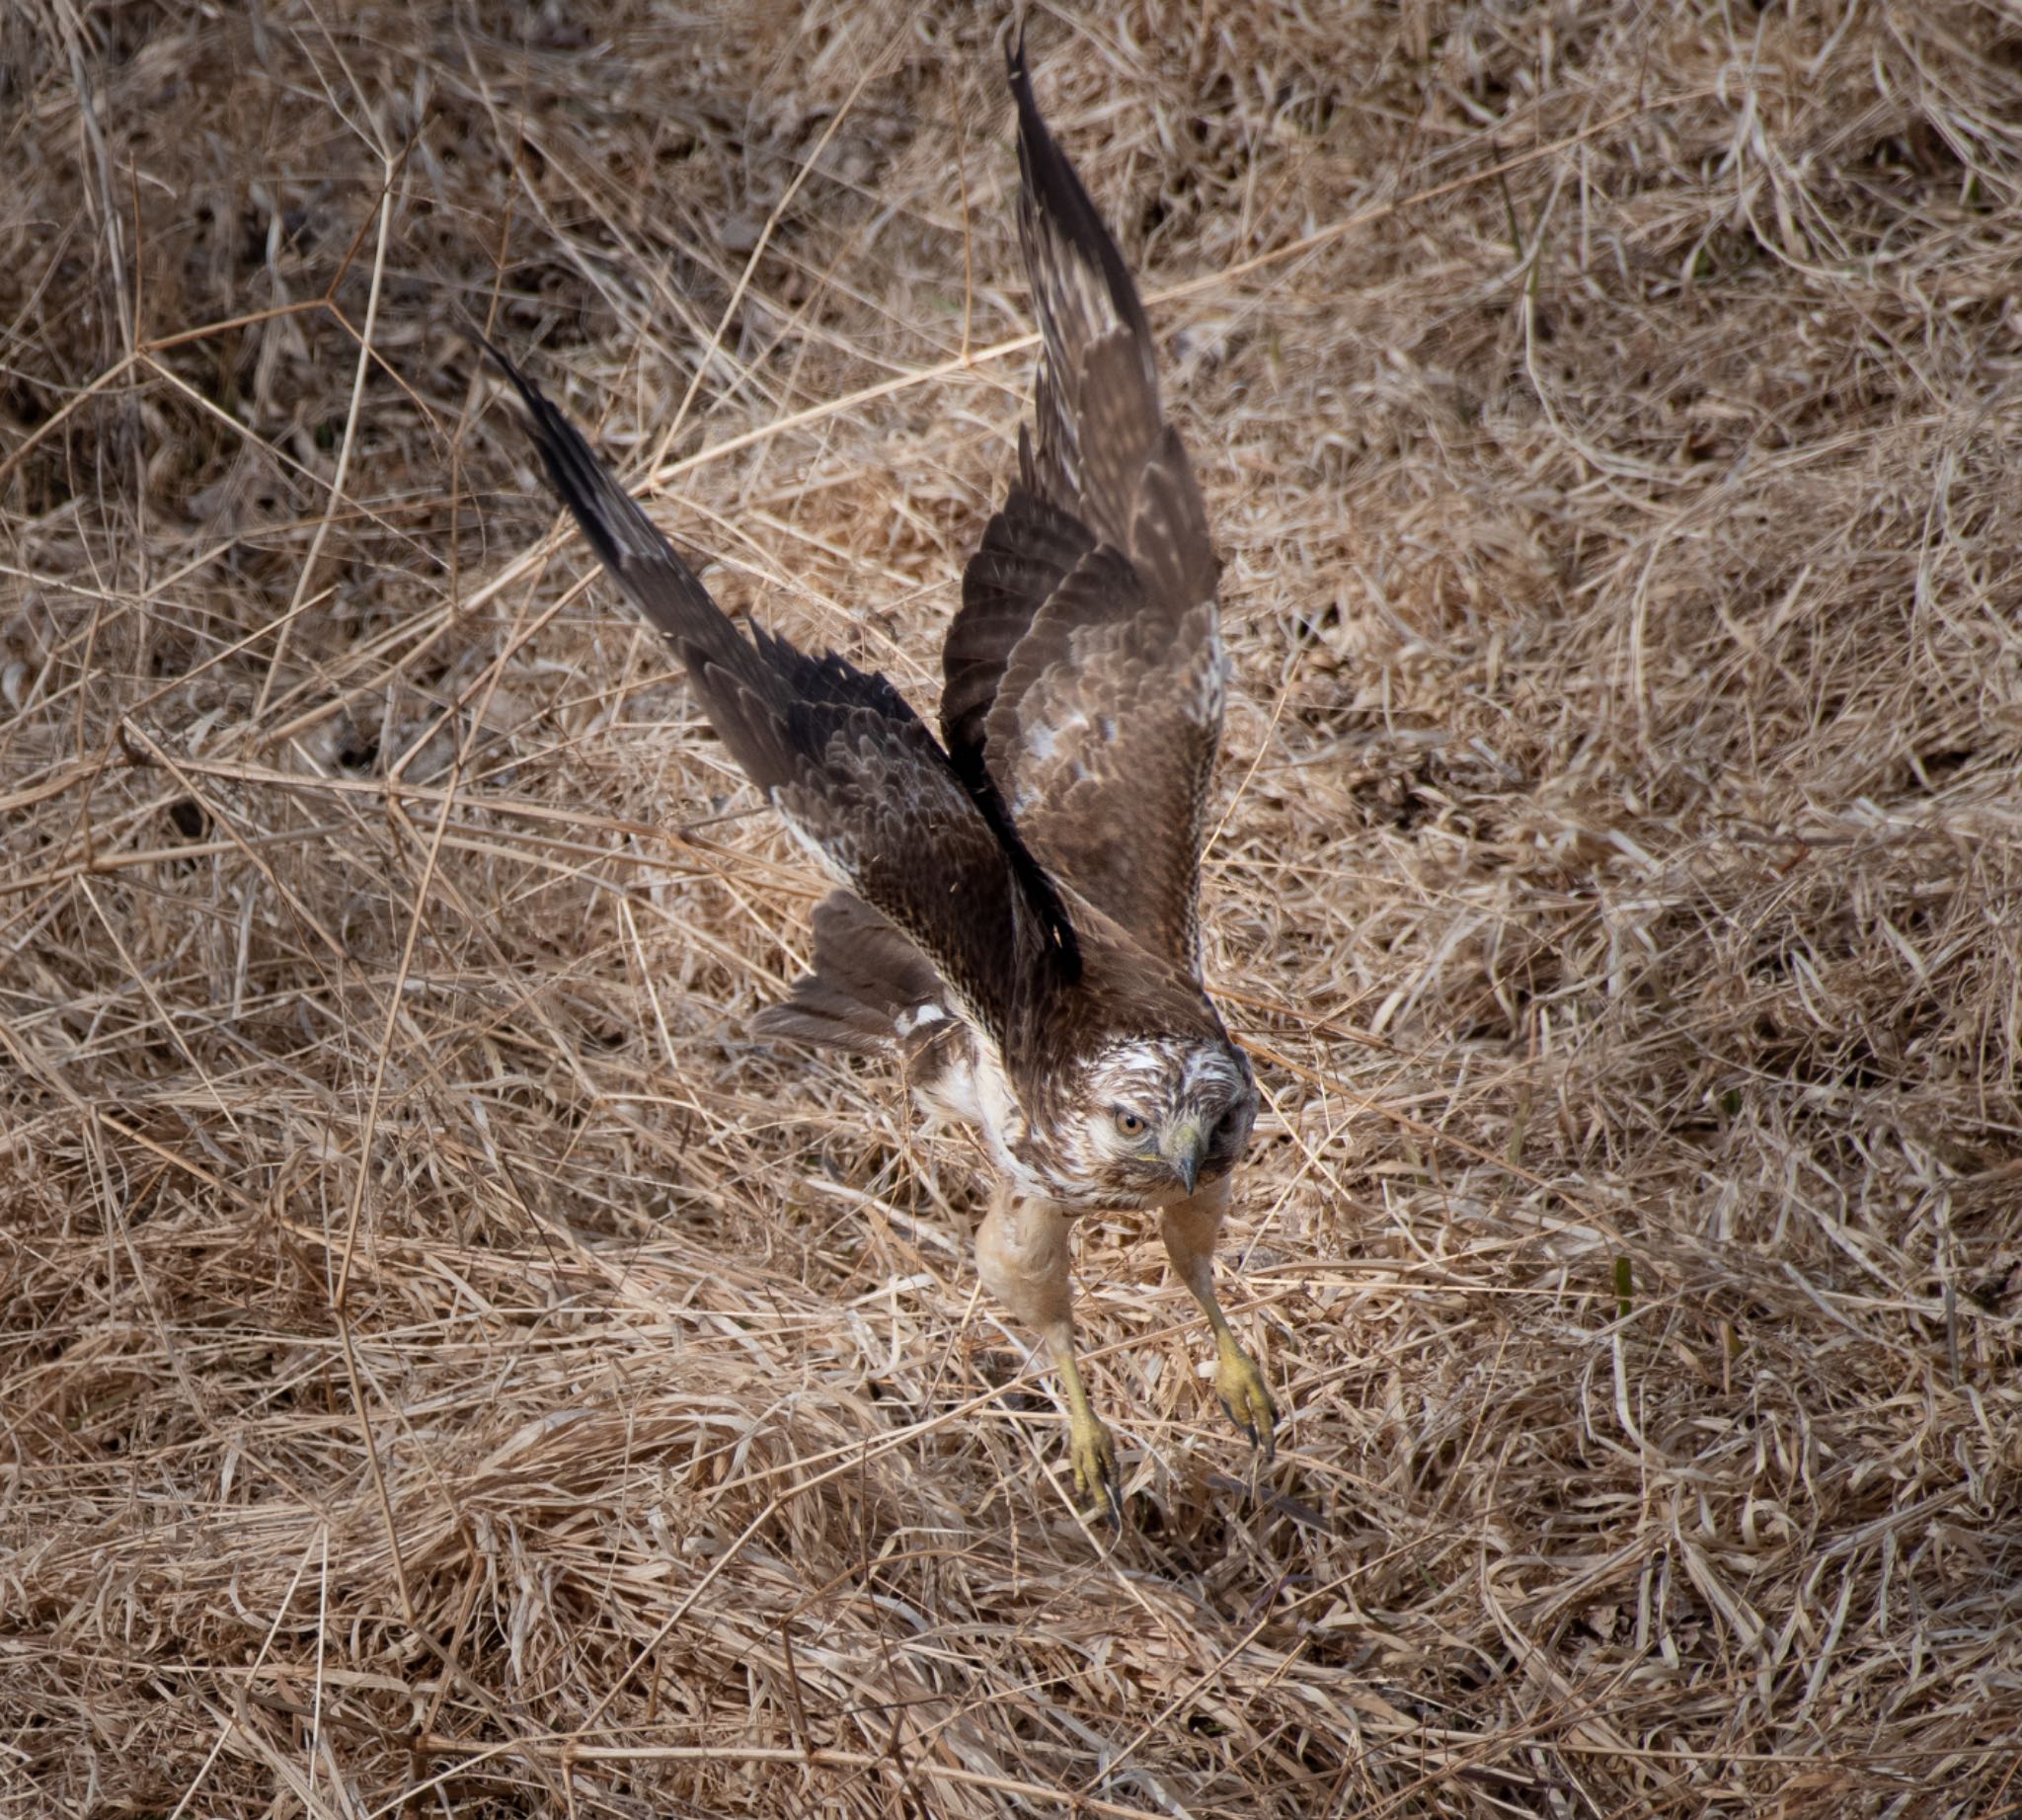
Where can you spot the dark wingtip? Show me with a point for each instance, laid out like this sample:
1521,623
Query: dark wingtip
485,345
1015,71
535,400
1033,137
598,504
1054,188
540,409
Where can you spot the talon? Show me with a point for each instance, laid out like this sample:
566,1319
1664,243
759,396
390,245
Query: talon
1093,1454
1240,1387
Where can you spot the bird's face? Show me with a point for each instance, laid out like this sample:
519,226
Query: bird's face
1158,1119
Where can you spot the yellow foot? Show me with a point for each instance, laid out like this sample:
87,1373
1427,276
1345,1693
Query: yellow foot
1240,1384
1094,1458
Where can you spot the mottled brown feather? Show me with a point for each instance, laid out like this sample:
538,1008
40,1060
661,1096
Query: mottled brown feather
851,769
867,991
1081,708
1084,674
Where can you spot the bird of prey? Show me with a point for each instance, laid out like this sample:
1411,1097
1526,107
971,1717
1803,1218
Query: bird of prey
1015,917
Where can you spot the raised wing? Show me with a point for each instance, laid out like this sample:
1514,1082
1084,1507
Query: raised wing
1084,676
847,764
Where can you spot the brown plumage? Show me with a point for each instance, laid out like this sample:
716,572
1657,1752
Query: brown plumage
1016,912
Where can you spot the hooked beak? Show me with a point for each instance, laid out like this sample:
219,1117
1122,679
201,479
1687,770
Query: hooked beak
1185,1148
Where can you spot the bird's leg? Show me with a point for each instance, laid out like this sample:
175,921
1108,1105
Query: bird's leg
1021,1253
1090,1448
1190,1229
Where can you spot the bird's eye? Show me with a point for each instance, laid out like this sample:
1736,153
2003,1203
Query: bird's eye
1128,1123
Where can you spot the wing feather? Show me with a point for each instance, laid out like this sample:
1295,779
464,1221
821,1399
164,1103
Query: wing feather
1026,551
1084,677
869,989
858,778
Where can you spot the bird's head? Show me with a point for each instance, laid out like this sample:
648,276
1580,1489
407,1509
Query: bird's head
1155,1118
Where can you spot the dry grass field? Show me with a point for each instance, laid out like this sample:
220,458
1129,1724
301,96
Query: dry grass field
449,1366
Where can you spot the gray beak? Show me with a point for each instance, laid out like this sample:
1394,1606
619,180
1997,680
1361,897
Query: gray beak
1185,1149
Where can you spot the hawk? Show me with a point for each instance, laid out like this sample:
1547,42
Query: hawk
1015,917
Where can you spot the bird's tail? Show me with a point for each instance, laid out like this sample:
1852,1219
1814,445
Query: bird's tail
870,991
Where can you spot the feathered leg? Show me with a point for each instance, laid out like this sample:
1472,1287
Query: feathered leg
1190,1229
1021,1253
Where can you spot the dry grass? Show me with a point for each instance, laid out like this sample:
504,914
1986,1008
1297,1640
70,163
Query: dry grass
449,1368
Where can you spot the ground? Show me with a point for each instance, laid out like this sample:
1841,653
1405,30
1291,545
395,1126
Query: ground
449,1366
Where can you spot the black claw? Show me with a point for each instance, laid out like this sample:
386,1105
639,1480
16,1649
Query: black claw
1105,1495
1110,1503
1265,1442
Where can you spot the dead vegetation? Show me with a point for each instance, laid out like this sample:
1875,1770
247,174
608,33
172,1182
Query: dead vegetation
449,1368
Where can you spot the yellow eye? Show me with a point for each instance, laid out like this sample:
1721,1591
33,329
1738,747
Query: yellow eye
1128,1123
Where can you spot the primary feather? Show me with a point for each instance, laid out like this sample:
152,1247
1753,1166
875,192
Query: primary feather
851,767
1084,676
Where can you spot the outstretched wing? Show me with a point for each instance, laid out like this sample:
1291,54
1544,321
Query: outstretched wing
847,764
1084,676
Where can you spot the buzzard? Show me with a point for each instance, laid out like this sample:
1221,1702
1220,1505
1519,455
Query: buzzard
1015,914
